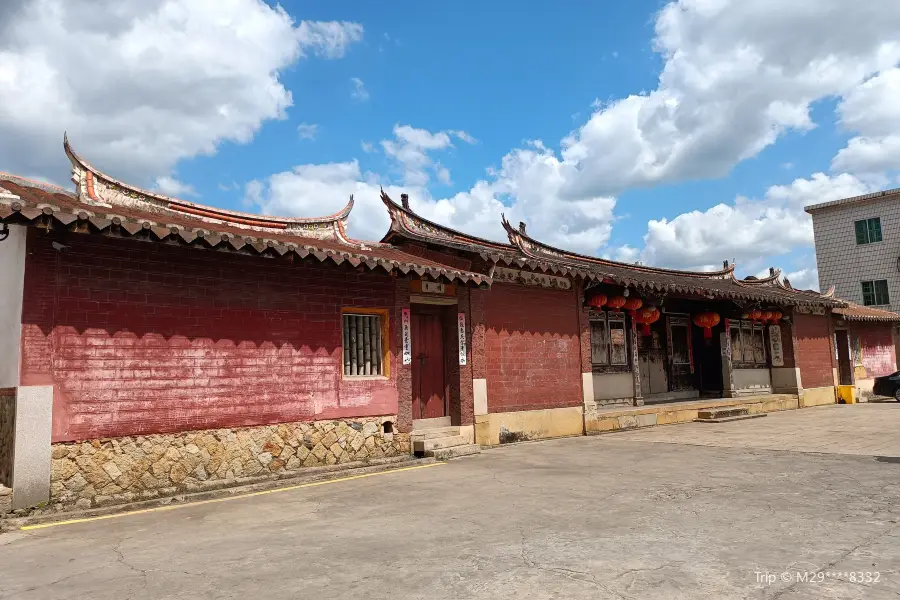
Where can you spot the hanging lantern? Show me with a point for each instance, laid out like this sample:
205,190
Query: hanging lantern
597,300
632,304
616,302
756,314
776,316
707,320
745,315
766,316
646,316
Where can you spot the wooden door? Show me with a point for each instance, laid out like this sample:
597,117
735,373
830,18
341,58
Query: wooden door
428,365
845,364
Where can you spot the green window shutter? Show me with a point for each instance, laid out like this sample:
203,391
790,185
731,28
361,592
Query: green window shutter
881,292
868,291
862,234
874,230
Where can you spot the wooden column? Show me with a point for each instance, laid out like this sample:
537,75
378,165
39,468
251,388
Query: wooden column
728,390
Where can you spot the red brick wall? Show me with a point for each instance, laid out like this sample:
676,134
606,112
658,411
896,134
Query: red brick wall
144,337
532,348
877,344
813,351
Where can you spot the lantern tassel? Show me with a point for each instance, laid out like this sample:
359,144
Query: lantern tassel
645,329
707,333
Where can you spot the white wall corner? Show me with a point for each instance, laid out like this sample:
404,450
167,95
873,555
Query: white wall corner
479,387
12,276
587,388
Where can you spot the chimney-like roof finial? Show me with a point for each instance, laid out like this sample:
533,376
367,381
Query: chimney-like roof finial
404,200
522,227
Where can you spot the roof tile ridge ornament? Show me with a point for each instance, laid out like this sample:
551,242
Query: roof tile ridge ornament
774,278
96,188
340,233
405,220
519,238
829,293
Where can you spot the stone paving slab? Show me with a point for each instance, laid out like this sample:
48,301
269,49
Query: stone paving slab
860,429
605,517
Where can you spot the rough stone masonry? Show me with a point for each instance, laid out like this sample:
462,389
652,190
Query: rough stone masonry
102,472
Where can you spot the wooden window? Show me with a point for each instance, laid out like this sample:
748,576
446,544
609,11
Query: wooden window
365,342
681,348
618,344
735,335
609,345
875,293
868,231
759,346
747,341
599,342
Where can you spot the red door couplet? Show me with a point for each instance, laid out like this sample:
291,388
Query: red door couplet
427,365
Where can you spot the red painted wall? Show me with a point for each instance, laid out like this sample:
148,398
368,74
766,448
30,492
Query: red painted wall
813,350
532,348
877,344
145,337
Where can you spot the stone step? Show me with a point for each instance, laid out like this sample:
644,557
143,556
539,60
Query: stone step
430,434
729,419
437,443
454,452
723,413
420,424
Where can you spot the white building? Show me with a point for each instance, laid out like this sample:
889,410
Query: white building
858,248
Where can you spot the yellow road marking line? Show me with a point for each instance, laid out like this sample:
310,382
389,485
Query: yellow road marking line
225,499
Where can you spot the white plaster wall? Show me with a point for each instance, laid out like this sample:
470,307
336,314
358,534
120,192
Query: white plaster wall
611,386
844,264
751,378
786,379
12,277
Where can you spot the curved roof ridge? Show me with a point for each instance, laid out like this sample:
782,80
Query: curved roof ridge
773,278
405,220
525,243
88,179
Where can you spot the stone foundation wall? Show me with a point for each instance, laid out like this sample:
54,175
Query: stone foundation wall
111,471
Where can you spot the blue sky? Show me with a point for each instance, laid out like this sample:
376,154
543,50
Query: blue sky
673,133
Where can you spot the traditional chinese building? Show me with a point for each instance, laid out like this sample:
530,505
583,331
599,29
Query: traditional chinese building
160,346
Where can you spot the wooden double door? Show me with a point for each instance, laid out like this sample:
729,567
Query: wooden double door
429,368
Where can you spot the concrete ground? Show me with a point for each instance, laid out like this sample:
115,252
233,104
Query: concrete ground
691,511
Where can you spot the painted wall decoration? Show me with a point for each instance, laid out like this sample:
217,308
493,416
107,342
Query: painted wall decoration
407,338
461,334
775,348
504,275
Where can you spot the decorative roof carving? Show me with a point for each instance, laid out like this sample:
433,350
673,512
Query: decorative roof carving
97,189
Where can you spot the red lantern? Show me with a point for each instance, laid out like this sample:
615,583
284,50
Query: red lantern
776,316
632,304
767,315
616,302
597,300
756,314
645,317
707,320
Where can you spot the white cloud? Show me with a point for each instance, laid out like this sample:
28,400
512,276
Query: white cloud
873,111
359,91
737,75
367,147
804,279
170,186
329,39
307,131
140,85
464,136
748,231
527,185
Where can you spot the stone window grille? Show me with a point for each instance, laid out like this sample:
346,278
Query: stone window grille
747,342
875,293
868,231
363,345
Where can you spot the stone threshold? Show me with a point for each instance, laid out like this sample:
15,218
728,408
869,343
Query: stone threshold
618,411
237,487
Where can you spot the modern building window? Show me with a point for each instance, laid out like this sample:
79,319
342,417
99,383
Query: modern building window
609,345
875,293
365,343
868,231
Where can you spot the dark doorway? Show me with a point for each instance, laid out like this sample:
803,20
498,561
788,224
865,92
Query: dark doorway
708,360
845,366
428,381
